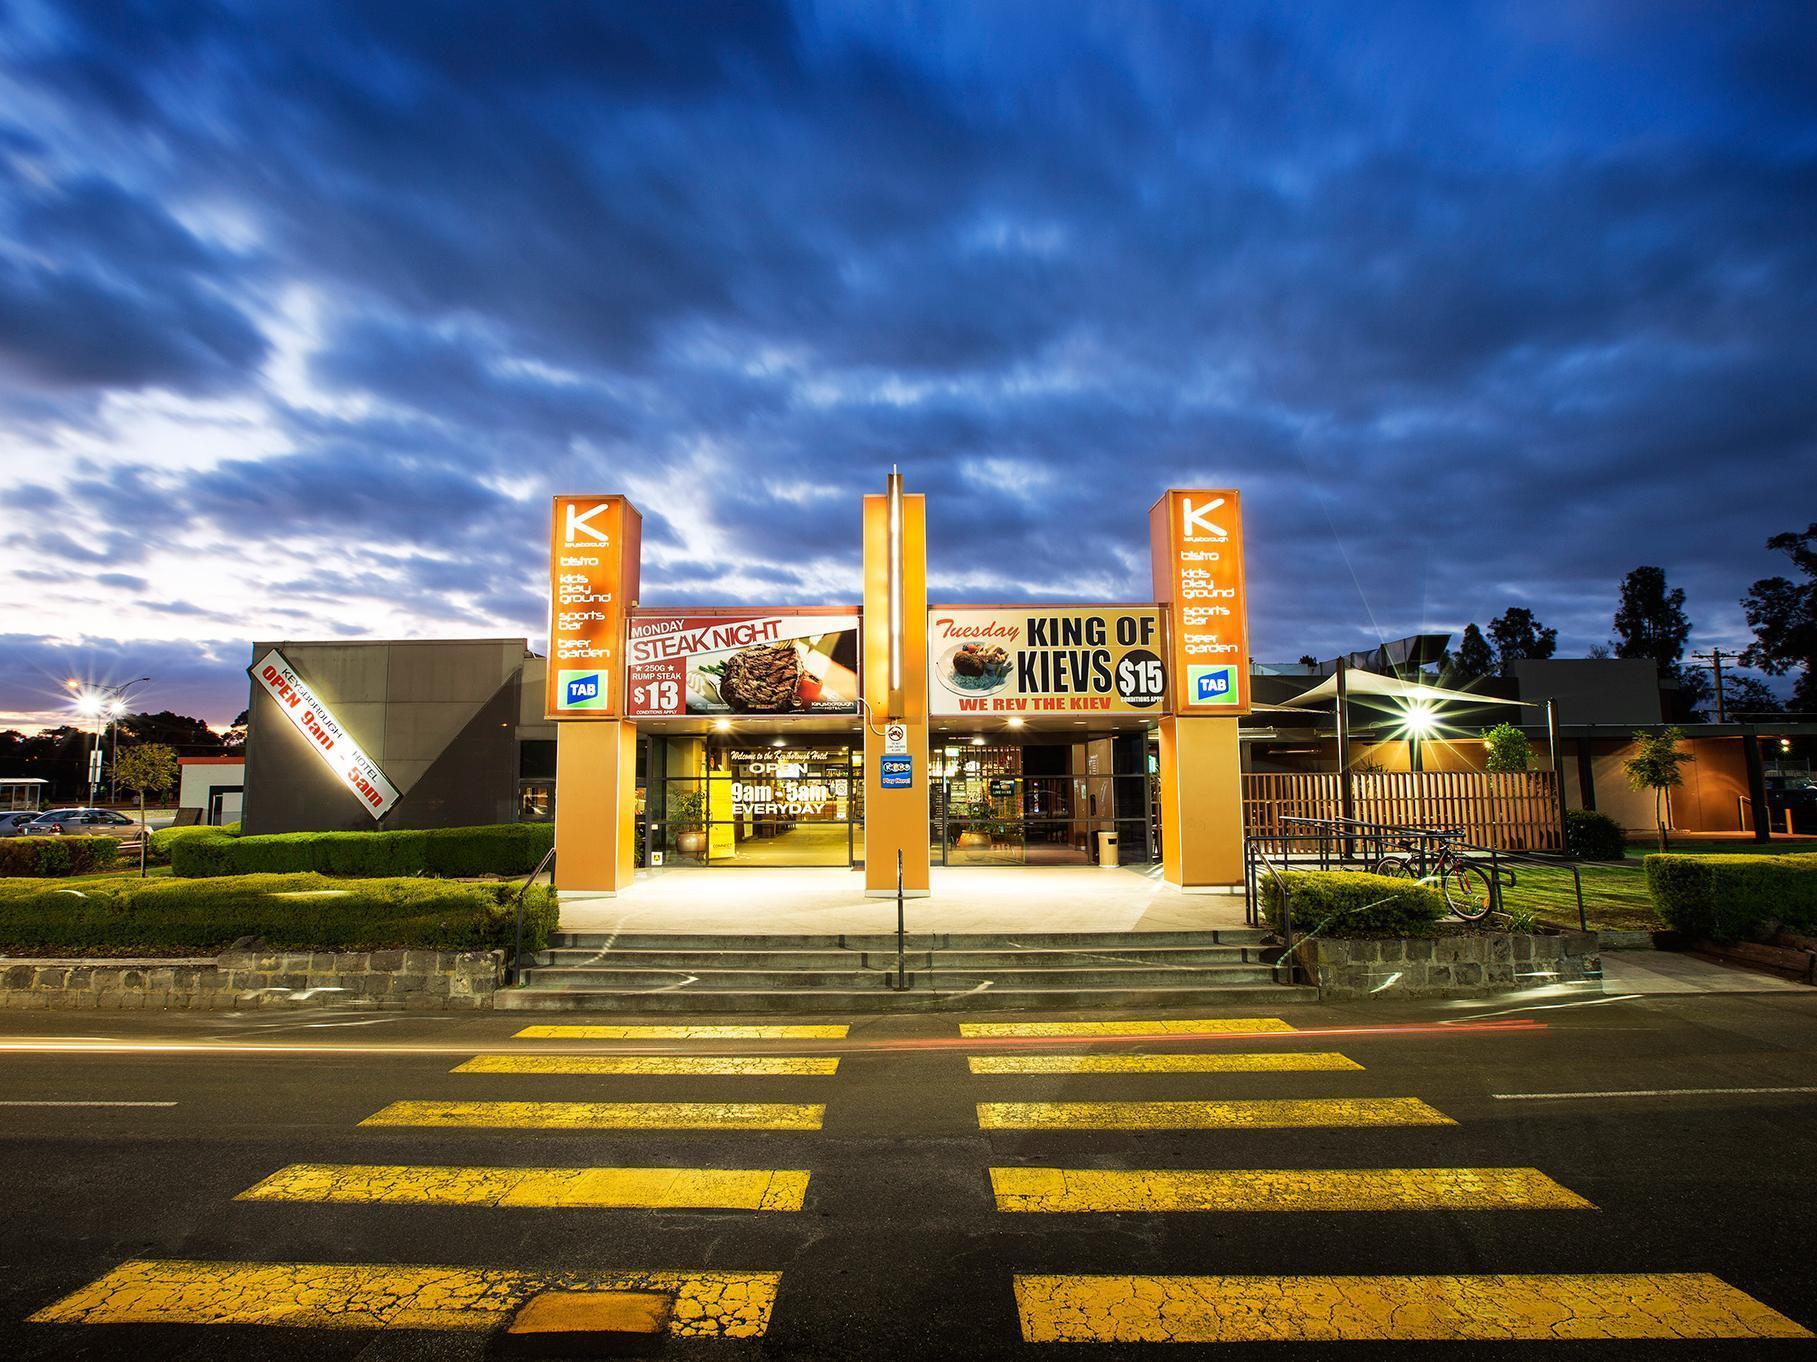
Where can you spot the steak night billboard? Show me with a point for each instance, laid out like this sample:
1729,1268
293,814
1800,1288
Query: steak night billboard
741,662
1029,660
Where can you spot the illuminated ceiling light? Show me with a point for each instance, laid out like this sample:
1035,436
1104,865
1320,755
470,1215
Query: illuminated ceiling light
778,742
977,740
1015,721
722,725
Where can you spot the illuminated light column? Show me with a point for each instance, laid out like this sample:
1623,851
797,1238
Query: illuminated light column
1196,548
594,554
895,688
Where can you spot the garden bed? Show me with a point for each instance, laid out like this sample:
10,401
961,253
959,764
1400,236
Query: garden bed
295,912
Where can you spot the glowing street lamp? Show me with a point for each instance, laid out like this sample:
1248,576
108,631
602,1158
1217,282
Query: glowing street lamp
1418,722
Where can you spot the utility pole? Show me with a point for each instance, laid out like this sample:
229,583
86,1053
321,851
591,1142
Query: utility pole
1714,657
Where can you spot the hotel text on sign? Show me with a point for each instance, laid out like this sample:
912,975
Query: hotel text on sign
310,717
1197,537
592,579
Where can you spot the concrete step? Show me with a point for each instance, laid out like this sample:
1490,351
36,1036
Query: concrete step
824,1001
875,941
618,956
943,978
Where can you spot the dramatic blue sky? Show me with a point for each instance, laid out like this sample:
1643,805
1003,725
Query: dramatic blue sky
305,309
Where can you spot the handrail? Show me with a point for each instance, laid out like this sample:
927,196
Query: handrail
517,946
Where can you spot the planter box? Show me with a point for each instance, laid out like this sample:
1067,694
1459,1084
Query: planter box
1463,965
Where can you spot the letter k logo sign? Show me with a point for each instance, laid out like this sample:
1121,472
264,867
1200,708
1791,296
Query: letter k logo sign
578,524
1193,521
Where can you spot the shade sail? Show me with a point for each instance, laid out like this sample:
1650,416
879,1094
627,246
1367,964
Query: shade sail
1375,685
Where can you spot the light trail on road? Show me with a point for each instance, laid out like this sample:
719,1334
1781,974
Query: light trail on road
103,1045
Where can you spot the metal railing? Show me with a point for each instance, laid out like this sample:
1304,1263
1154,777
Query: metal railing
1356,844
517,945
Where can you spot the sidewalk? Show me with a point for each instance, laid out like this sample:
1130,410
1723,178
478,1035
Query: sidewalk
965,899
1673,972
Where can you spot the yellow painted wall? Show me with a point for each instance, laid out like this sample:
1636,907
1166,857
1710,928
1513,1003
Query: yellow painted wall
895,820
1201,803
596,771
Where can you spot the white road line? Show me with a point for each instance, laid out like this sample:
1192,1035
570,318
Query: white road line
1638,1092
87,1104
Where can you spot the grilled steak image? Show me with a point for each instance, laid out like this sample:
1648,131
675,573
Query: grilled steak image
762,678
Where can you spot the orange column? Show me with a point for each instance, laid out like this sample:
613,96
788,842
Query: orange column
1201,803
1196,548
895,820
595,812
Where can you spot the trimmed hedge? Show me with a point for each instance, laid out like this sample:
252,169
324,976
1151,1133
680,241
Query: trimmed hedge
57,855
503,849
1726,898
1593,836
286,912
1353,903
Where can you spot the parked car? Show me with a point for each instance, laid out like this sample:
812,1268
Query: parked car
13,824
82,823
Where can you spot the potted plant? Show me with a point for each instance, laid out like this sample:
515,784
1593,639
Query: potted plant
981,829
687,820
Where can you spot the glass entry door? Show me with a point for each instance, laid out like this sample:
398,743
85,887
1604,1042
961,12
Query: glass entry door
718,804
1040,804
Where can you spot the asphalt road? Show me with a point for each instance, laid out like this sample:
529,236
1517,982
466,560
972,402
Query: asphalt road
898,1250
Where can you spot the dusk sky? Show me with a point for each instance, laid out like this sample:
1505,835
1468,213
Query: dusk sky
306,309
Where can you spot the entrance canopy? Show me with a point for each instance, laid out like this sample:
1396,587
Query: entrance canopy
1375,685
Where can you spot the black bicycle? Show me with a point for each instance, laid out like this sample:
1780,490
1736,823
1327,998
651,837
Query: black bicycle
1467,886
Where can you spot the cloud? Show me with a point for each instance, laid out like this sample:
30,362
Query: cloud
1477,312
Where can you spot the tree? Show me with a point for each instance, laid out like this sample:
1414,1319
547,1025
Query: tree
1748,695
1473,659
1783,615
234,739
1650,620
189,736
1505,748
149,768
1694,700
1654,766
1518,636
1308,660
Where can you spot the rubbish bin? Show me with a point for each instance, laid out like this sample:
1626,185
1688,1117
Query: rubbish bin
1107,850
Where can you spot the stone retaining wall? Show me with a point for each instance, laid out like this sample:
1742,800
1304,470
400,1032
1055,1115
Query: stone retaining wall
425,981
1466,965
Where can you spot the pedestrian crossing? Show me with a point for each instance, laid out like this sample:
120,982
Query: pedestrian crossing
653,1066
697,1189
350,1295
1239,1114
1280,1189
603,1115
1194,1309
1119,1078
383,1296
1286,1061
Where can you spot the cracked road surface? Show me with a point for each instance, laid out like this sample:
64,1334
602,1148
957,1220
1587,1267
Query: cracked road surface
1321,1182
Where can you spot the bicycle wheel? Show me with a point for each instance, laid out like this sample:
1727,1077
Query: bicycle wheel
1468,892
1395,867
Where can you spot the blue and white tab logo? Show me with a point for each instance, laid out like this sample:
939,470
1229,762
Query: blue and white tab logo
1212,685
583,690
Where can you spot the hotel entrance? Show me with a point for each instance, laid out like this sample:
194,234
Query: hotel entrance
1044,801
758,800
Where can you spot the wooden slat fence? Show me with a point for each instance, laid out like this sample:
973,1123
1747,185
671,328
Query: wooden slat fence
1516,812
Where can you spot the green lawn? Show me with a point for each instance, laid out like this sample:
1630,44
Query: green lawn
1615,893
